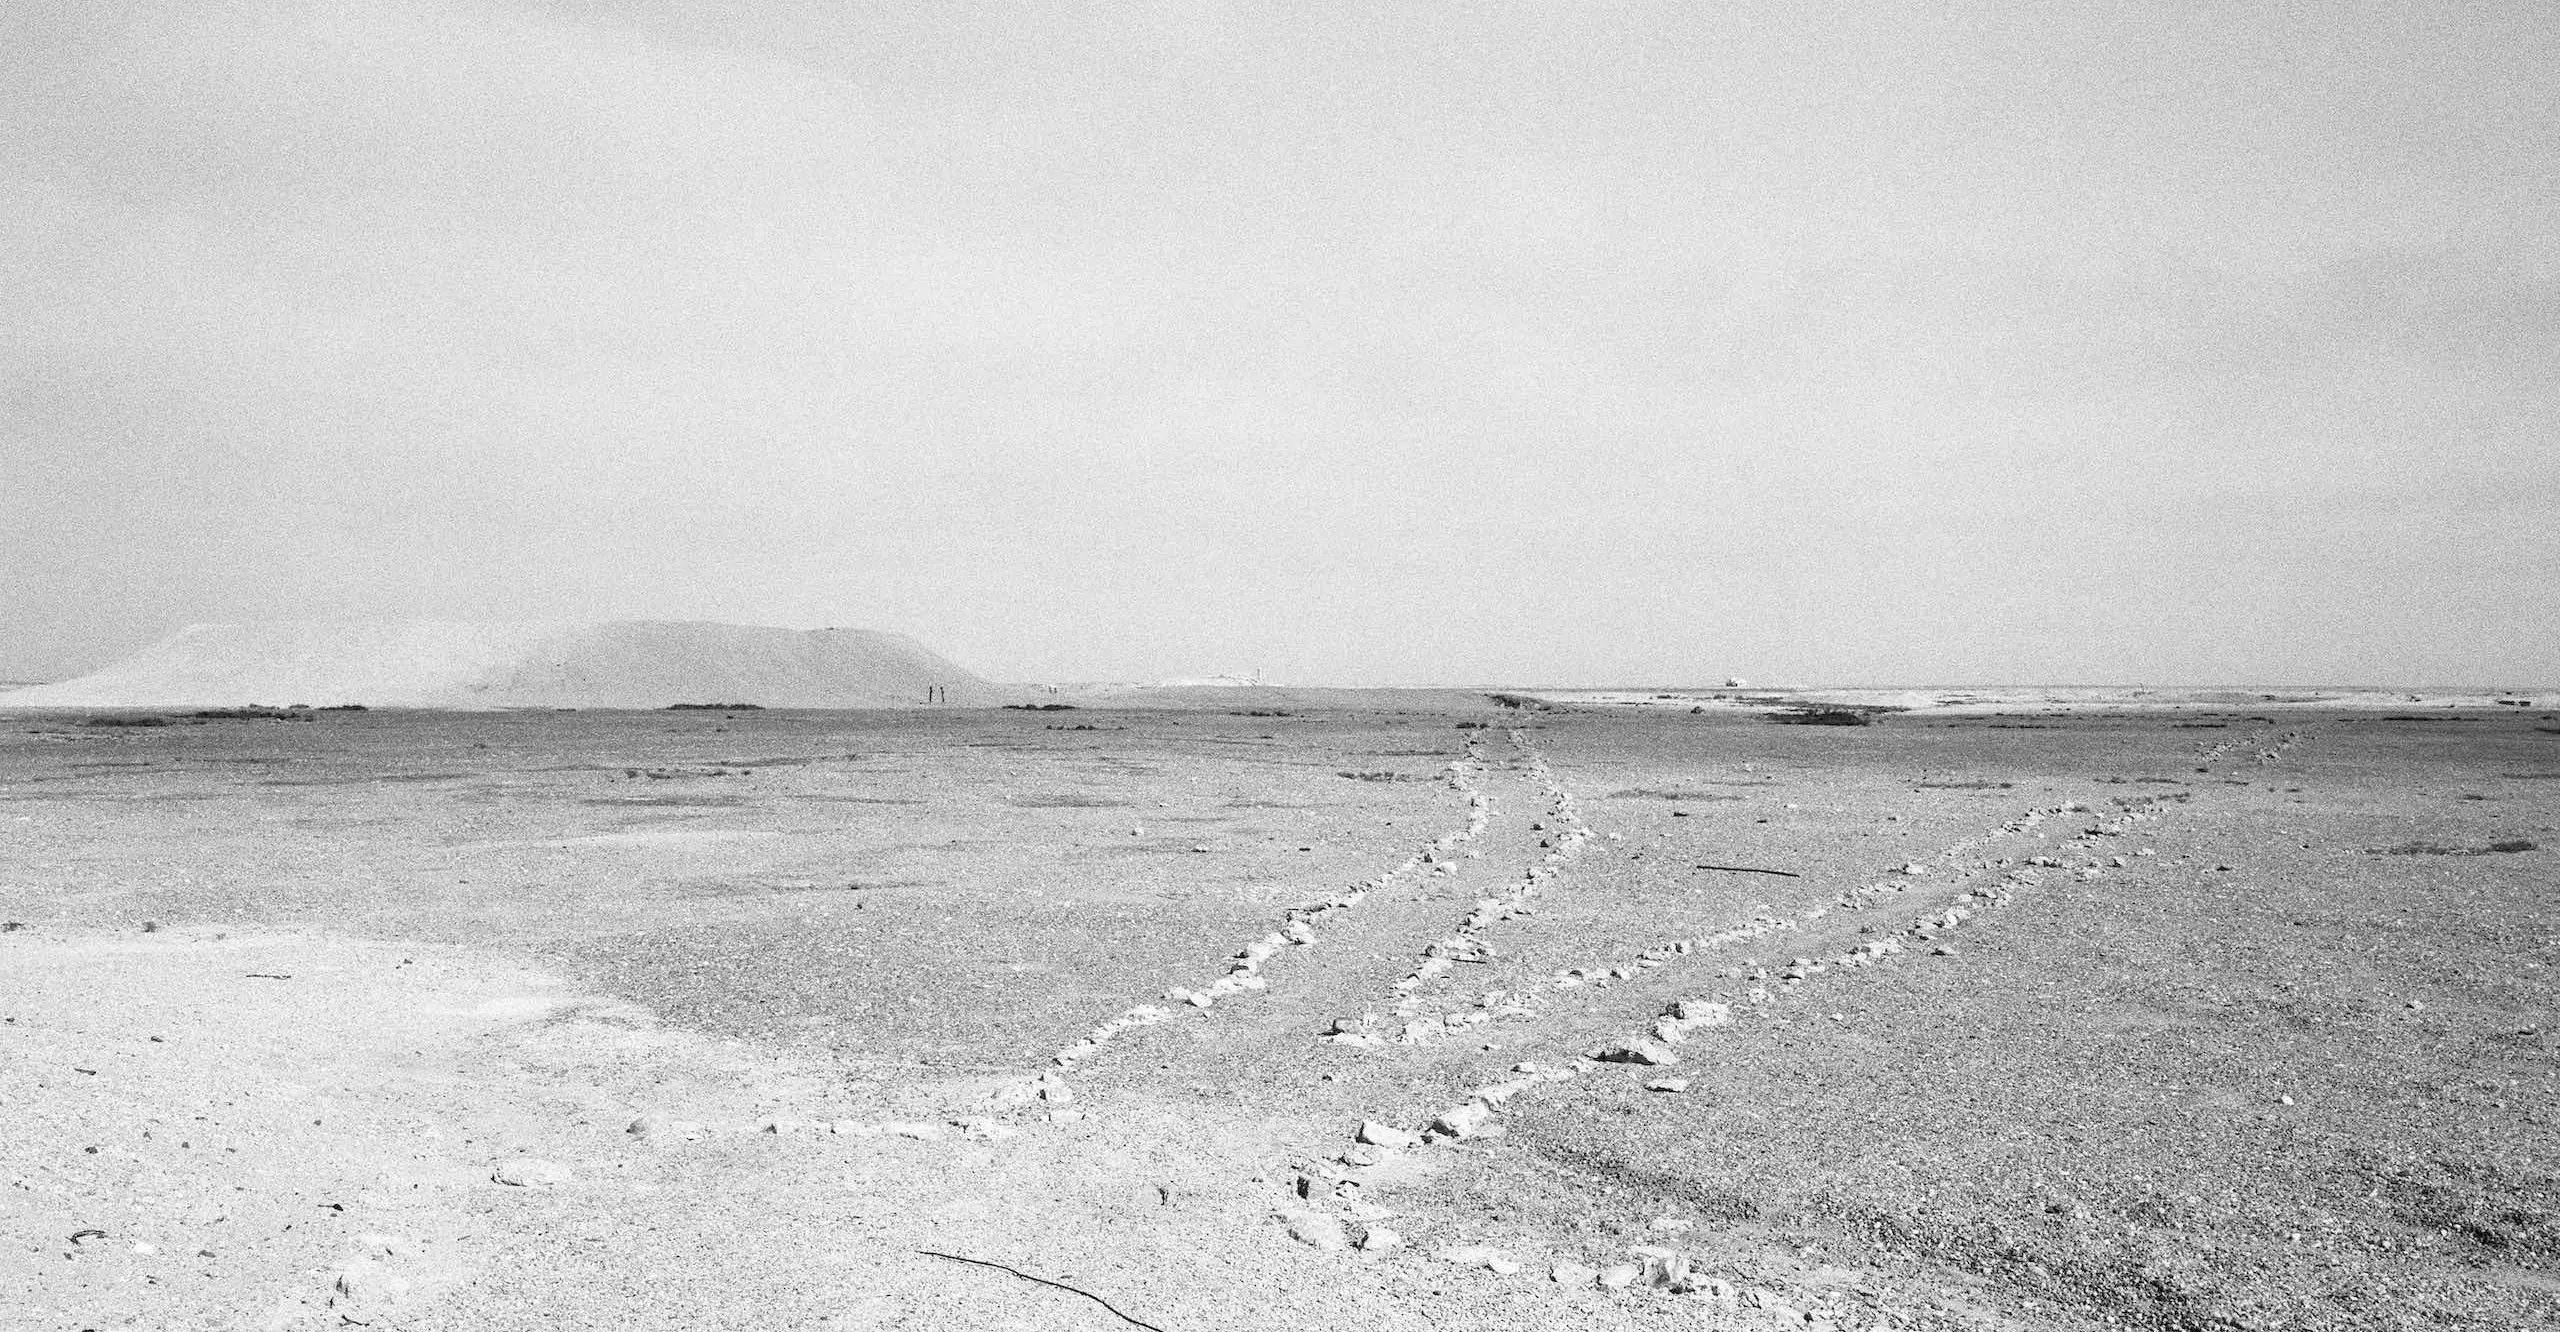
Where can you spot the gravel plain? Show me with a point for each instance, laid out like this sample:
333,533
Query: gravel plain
2173,1018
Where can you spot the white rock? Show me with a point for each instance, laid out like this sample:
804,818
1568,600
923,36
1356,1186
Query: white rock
524,1172
1572,1274
1386,1135
1316,1230
1463,1121
1378,1238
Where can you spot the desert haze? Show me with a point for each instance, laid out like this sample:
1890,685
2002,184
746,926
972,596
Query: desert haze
1198,1008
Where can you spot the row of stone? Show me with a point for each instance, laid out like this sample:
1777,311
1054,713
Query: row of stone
1465,944
1297,928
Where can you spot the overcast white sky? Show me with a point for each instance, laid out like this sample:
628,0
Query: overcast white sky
1352,343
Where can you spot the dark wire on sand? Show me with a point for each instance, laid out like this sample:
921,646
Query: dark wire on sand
981,1262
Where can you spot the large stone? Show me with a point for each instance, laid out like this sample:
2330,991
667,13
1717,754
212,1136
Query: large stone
1386,1135
1316,1230
1638,1052
1463,1121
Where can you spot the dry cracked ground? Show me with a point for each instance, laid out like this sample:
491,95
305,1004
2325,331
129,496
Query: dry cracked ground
801,1020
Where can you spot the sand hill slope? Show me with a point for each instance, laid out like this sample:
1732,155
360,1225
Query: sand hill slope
548,664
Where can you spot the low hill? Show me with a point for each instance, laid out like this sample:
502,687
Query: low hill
544,664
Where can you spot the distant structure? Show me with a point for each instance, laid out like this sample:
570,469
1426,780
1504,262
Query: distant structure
1734,682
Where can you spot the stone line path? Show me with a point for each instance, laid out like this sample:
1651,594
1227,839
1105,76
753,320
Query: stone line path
1977,882
1908,911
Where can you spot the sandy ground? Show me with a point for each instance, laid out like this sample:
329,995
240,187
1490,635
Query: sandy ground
2186,1019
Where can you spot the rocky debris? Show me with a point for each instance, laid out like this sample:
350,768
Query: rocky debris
1664,1270
1650,1053
1085,1048
1375,1239
1667,1085
1479,1255
1687,1016
985,1130
1316,1230
1617,1276
366,1290
1462,1121
524,1172
1388,1136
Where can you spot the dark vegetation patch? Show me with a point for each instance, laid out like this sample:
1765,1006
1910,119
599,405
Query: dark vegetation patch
2142,781
1067,800
1083,726
2200,726
2438,849
2531,776
1826,716
369,780
2022,726
1515,701
1262,712
1040,707
126,721
1473,726
1668,793
1381,776
671,774
715,707
255,712
688,801
1969,786
857,800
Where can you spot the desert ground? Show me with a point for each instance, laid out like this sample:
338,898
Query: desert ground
1653,1014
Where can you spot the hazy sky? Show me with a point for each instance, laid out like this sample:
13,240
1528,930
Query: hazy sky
1368,342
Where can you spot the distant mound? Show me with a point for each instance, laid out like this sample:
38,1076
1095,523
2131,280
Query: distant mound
548,664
